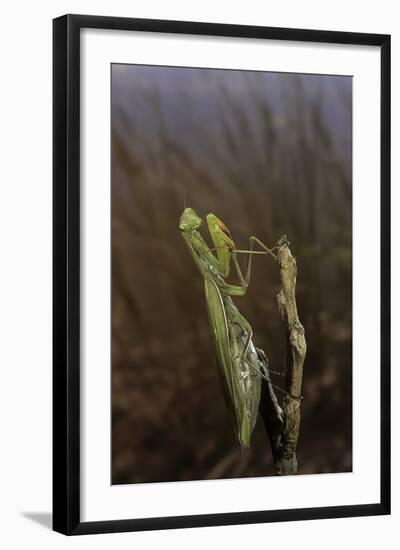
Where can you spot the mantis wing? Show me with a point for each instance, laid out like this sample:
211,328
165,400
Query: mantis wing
231,383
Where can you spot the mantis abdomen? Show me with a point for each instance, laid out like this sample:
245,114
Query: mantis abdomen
237,361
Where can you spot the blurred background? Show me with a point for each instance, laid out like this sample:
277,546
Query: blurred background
269,153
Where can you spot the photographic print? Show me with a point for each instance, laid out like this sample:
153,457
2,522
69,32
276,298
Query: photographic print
231,273
220,195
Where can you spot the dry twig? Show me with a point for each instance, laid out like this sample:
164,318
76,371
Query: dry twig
283,424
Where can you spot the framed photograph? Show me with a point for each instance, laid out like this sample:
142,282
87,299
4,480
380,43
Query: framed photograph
221,274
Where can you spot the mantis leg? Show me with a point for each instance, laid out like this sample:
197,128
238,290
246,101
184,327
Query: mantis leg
244,280
265,377
238,319
264,371
247,344
235,317
264,247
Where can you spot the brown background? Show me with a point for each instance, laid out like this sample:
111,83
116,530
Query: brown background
269,154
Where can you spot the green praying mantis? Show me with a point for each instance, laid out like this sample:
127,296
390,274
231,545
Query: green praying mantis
241,365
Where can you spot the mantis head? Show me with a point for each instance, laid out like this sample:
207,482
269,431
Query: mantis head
190,220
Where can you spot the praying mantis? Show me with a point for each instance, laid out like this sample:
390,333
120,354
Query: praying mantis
242,366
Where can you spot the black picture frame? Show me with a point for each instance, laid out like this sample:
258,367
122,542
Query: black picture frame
66,273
